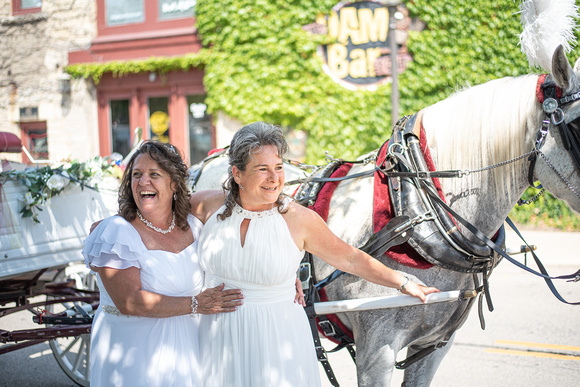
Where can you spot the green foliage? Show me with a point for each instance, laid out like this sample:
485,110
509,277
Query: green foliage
465,43
547,211
265,67
45,182
159,65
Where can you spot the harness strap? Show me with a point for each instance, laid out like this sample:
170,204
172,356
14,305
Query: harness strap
312,179
401,365
320,351
312,297
543,273
549,90
417,174
397,231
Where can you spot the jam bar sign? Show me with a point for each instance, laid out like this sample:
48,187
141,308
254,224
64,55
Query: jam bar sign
359,58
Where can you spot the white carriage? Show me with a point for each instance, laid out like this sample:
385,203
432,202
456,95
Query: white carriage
41,268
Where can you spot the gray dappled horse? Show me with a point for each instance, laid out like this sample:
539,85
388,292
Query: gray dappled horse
476,127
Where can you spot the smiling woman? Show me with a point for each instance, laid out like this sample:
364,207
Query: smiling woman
255,240
145,331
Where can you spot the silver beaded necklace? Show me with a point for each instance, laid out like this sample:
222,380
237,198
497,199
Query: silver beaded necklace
150,225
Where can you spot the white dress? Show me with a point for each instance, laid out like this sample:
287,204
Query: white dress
267,341
142,351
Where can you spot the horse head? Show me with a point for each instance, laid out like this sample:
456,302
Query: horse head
558,165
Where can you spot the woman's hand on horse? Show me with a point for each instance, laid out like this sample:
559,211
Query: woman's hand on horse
217,300
419,291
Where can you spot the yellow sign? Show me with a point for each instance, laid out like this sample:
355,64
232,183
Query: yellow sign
159,122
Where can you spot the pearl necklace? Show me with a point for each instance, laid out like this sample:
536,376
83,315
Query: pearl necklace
150,225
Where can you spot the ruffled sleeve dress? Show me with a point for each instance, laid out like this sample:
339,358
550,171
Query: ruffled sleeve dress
267,341
142,351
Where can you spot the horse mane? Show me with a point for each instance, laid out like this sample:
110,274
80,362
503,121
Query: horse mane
493,117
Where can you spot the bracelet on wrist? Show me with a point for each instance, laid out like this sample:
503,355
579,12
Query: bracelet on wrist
404,284
194,305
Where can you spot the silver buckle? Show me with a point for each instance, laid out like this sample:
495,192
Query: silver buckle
304,274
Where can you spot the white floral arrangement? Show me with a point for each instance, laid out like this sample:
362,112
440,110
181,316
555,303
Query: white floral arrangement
46,182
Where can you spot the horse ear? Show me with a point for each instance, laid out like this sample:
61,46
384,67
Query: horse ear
562,72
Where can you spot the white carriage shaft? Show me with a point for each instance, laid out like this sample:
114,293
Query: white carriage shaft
357,305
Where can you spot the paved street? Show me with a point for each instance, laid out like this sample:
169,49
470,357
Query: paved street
531,338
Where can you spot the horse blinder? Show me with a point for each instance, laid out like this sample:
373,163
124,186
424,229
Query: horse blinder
550,96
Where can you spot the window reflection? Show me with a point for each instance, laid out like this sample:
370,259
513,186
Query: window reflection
176,9
200,128
120,128
38,144
119,12
25,4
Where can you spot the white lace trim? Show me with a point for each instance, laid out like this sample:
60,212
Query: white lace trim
239,210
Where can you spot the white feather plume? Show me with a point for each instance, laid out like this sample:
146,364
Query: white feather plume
546,24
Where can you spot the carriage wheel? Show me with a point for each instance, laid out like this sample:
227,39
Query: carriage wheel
73,353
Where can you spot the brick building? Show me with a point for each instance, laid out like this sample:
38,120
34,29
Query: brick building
36,99
58,117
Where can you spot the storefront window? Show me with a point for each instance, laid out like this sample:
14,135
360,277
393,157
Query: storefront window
38,144
159,119
200,128
176,9
20,7
120,128
119,12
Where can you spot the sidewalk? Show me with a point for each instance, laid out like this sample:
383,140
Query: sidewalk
554,248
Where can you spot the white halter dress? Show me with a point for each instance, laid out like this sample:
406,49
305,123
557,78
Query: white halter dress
141,351
267,341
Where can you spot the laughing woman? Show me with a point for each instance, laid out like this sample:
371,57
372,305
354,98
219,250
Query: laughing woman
145,331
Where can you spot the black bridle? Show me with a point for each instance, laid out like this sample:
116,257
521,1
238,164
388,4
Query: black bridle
550,96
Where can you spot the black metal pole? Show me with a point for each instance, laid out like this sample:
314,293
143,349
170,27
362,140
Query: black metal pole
394,67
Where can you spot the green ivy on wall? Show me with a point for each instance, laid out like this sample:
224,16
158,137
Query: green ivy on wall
265,67
261,65
159,65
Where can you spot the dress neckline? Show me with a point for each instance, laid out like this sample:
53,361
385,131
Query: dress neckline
239,210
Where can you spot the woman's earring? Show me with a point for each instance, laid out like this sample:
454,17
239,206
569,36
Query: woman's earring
242,187
175,196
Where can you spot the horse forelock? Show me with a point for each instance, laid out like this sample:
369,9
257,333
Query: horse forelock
483,125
